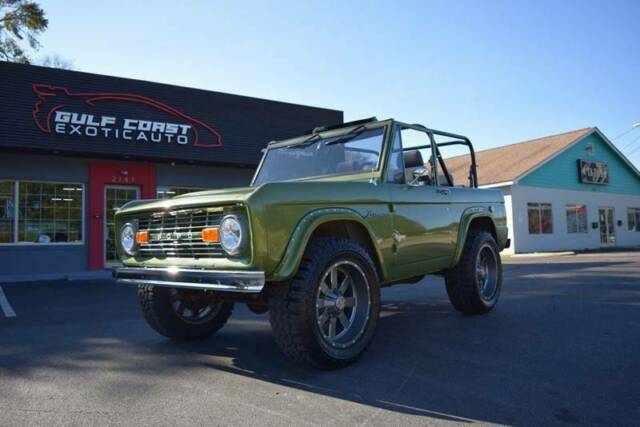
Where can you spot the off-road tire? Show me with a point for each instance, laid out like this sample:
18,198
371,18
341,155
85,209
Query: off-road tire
258,308
292,305
160,315
463,285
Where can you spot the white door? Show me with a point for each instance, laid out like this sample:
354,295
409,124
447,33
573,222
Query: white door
114,197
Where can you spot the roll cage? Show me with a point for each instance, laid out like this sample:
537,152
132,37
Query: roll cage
454,139
373,122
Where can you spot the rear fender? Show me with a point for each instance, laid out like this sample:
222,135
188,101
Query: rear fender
468,216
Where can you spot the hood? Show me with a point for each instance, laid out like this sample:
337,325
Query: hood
240,193
199,198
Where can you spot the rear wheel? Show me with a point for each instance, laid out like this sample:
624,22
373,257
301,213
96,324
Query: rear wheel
474,284
326,315
183,314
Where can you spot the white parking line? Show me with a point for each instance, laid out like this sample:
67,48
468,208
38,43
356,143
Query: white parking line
4,304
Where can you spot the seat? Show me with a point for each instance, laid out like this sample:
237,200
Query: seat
413,159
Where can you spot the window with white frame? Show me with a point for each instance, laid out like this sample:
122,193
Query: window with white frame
576,219
633,219
41,212
540,218
169,192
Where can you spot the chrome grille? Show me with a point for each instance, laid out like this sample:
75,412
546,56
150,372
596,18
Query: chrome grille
179,234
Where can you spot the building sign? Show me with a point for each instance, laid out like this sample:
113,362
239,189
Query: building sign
70,113
593,172
139,119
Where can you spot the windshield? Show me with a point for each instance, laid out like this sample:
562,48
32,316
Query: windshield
316,157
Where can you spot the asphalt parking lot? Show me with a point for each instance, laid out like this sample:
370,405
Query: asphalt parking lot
562,347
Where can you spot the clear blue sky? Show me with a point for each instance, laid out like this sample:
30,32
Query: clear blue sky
497,71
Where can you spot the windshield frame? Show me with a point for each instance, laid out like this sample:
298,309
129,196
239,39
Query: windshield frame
329,134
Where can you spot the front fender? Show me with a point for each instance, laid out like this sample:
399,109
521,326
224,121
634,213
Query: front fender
302,234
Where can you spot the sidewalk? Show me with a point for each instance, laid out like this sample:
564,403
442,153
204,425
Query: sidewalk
536,255
624,249
73,276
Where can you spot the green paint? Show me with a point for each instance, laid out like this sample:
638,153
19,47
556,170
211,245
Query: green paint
412,230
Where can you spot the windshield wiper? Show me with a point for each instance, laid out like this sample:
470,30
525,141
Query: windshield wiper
348,136
310,140
339,140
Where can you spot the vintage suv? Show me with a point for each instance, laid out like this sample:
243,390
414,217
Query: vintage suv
329,218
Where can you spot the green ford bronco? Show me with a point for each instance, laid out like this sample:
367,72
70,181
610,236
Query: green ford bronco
329,218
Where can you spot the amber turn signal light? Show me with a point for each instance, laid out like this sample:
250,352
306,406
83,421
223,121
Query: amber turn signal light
142,237
210,235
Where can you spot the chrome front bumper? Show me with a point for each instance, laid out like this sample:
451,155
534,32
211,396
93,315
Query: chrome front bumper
249,282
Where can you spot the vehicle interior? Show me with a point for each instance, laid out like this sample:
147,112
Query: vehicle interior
417,140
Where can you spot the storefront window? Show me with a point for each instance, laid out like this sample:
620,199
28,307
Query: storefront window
633,219
576,219
540,218
49,212
169,192
7,211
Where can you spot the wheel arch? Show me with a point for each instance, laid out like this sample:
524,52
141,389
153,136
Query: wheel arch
475,218
331,222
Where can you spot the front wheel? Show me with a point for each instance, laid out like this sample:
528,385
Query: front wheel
474,284
183,314
326,315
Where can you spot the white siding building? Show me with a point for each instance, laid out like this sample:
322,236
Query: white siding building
571,191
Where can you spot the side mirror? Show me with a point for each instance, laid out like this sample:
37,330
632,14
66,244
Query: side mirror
418,173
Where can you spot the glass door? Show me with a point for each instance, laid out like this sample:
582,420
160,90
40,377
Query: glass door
114,197
607,228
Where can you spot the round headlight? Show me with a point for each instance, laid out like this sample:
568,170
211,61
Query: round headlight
128,238
232,234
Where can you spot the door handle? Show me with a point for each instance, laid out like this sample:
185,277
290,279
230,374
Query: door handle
442,192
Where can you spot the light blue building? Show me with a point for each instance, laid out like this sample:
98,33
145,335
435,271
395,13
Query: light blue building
570,191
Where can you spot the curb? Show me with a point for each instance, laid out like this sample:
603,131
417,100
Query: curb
538,254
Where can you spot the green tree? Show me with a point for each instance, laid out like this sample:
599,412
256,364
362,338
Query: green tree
20,22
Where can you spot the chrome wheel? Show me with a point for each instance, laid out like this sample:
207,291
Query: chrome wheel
342,304
487,272
194,306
